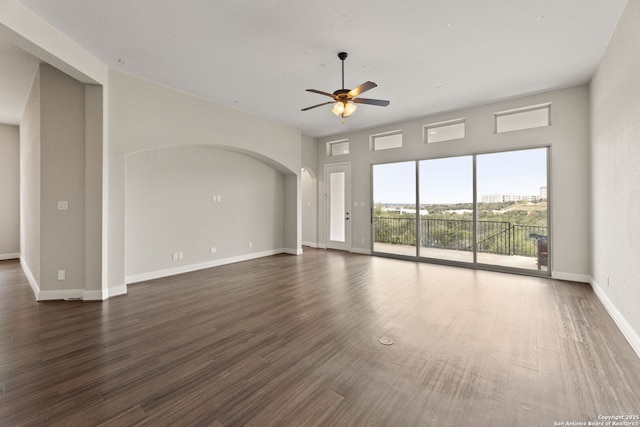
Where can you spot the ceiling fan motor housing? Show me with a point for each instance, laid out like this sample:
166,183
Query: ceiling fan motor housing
342,93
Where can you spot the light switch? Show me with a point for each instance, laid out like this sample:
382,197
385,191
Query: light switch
63,205
62,274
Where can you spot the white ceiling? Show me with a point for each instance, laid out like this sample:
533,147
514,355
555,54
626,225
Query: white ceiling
426,56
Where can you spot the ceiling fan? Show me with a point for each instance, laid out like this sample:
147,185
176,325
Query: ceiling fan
345,100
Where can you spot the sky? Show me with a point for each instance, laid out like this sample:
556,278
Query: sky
450,180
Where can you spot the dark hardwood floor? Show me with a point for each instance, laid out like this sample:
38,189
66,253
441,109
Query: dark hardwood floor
294,341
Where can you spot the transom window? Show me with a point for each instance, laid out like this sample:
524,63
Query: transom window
523,118
386,141
444,131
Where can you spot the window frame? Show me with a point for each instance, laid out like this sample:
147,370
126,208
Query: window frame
522,110
332,144
374,137
430,126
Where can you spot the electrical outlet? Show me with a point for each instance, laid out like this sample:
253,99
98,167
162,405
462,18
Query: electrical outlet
250,244
180,255
212,250
175,256
62,274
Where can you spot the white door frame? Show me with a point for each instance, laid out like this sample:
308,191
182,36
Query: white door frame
337,168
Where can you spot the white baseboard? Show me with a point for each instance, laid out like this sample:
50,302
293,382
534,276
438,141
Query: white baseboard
571,277
94,295
30,277
115,291
69,294
135,278
4,257
362,251
310,244
58,294
48,295
632,336
321,246
104,294
292,251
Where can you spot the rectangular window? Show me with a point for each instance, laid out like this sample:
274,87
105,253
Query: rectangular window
338,148
386,141
523,118
444,131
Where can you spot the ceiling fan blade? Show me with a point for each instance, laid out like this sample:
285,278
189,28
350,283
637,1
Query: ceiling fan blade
360,89
319,105
378,102
322,93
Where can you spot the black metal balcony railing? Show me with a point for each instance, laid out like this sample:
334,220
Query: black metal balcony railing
494,237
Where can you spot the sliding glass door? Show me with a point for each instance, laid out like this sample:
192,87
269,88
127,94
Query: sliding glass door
394,208
485,209
446,208
512,209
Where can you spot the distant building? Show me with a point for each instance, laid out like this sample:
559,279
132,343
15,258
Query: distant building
403,210
502,198
543,193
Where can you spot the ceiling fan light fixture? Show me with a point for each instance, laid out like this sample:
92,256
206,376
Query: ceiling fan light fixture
338,108
349,108
344,108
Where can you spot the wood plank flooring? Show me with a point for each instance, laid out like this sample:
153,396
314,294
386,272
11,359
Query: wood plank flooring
294,341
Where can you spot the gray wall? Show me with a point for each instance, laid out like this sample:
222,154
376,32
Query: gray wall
170,208
568,138
146,116
62,173
60,160
615,164
9,192
94,139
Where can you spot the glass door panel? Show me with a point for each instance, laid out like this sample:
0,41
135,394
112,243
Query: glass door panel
394,208
512,229
339,200
337,208
446,209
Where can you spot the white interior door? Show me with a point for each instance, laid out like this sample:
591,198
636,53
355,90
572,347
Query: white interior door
338,179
